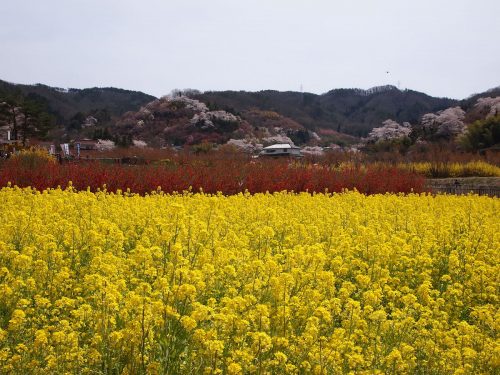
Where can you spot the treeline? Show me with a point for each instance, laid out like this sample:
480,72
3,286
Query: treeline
25,116
40,111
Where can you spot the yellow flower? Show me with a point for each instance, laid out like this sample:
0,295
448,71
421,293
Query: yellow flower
17,320
234,369
188,323
41,339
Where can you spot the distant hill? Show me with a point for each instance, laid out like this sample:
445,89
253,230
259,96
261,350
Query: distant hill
66,103
469,102
339,115
350,111
180,120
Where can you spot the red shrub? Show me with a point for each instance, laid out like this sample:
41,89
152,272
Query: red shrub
225,175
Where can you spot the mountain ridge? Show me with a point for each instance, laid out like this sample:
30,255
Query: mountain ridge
350,111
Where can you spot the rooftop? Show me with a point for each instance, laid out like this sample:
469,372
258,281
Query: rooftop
279,145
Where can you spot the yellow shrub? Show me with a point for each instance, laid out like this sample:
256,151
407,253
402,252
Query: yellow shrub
476,168
32,158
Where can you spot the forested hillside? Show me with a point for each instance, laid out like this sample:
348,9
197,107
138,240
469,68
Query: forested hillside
338,116
350,111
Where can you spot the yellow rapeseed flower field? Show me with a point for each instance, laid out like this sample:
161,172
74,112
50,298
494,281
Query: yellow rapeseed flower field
114,283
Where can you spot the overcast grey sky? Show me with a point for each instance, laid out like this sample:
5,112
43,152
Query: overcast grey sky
441,47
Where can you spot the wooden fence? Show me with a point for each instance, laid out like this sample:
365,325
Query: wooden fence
463,190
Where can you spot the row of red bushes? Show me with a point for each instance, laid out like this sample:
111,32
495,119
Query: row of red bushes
226,176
